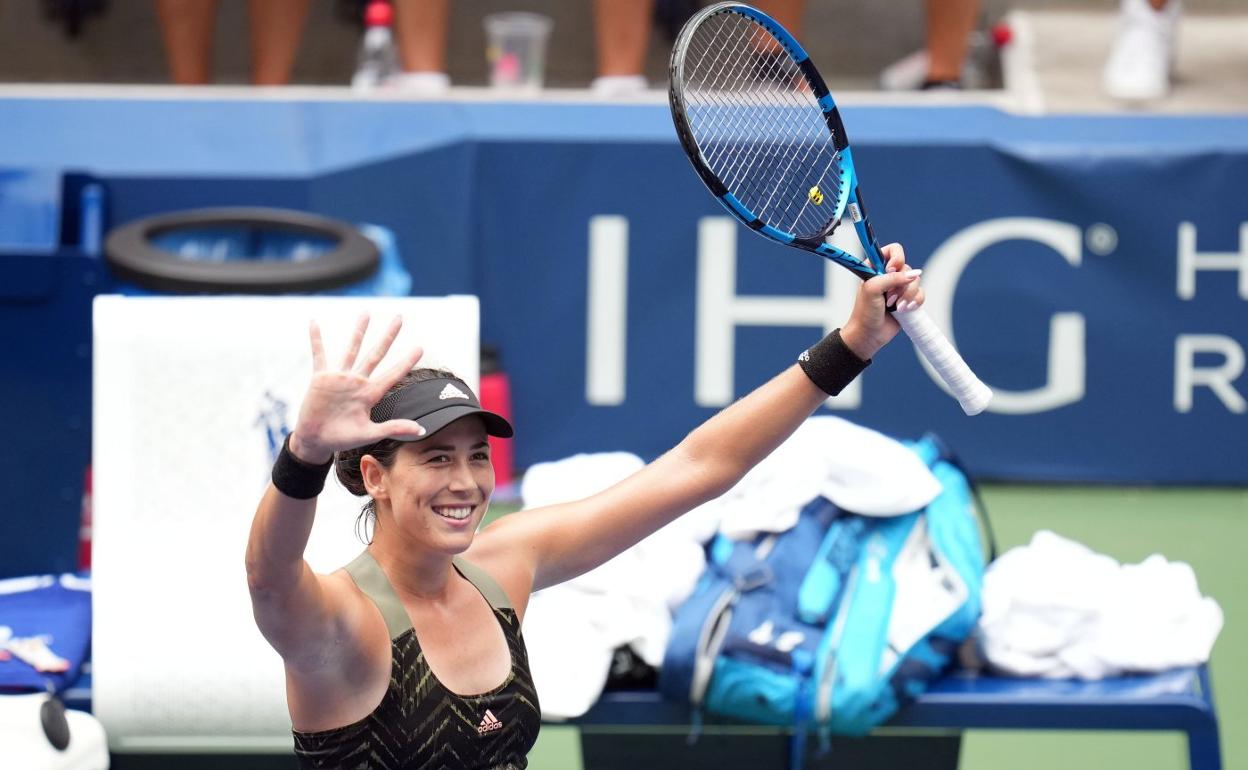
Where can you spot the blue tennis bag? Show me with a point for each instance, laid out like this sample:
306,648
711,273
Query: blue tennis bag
837,622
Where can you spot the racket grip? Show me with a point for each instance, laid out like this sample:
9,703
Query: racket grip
961,382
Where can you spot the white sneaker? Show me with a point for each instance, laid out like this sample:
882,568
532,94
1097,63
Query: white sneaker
420,83
618,86
905,74
1140,62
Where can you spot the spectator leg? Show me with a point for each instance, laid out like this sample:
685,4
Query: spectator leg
787,12
187,26
622,32
421,30
949,24
276,27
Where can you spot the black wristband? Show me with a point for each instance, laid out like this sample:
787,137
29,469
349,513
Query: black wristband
295,478
830,364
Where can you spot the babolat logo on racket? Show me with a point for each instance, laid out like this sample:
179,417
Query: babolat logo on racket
815,195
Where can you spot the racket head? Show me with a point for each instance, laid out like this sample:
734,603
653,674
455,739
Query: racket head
761,129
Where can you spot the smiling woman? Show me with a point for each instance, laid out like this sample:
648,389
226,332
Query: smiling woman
411,656
420,393
428,632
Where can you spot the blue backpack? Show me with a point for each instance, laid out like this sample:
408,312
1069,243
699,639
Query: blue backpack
835,623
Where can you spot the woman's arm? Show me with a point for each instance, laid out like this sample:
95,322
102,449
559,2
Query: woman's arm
297,611
559,542
287,599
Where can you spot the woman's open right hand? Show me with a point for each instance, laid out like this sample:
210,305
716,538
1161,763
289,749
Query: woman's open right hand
335,413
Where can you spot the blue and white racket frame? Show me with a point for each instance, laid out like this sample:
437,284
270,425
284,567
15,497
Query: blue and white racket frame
958,378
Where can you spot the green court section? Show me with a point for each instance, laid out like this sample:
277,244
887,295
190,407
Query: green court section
1204,527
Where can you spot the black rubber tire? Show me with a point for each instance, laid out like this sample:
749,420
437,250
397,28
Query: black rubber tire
132,257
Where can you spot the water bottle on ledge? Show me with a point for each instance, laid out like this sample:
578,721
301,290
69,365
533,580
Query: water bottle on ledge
377,62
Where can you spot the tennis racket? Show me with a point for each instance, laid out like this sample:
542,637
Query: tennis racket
757,122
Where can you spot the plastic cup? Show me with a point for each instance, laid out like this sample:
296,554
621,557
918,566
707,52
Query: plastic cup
516,49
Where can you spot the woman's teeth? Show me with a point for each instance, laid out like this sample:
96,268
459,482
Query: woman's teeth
459,513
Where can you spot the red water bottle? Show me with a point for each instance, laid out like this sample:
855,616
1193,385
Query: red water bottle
84,526
496,397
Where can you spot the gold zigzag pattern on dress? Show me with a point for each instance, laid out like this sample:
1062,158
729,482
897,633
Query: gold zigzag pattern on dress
421,725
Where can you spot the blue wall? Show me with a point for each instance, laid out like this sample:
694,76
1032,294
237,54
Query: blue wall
1021,218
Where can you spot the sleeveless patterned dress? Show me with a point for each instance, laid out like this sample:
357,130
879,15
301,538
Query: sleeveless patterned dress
420,724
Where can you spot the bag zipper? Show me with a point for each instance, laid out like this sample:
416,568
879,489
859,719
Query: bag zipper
709,642
827,678
715,630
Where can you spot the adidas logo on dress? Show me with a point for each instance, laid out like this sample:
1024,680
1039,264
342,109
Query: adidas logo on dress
489,722
450,391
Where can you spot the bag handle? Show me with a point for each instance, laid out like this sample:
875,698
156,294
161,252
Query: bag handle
945,453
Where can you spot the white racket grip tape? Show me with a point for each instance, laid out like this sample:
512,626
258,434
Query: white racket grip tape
972,394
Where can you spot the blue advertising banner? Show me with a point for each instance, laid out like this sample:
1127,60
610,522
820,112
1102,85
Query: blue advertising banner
1094,271
1104,299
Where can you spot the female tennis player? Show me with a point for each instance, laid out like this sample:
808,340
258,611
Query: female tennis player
411,656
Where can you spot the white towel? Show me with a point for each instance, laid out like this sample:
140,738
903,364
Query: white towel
858,469
1056,609
572,629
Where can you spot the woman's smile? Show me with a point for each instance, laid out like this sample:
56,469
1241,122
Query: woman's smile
454,512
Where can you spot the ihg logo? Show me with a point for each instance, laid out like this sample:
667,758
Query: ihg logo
720,311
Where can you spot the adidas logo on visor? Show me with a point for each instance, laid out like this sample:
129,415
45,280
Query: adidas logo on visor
489,723
450,391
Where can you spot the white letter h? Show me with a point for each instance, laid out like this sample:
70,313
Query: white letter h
720,310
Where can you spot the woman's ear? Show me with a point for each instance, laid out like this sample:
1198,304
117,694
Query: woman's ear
374,475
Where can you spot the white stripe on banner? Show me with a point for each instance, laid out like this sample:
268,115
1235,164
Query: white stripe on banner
607,314
721,310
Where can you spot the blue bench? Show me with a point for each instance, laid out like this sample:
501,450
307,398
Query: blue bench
615,731
1175,700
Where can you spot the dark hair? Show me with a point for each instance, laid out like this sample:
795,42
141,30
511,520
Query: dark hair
347,462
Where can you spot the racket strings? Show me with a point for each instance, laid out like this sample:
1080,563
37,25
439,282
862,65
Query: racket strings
759,127
766,74
742,74
722,75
